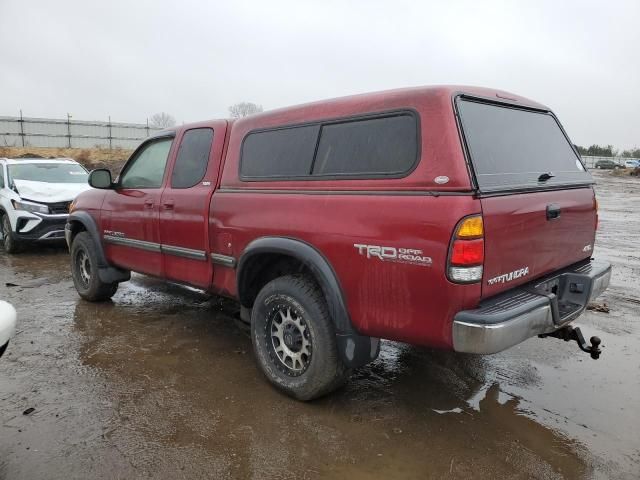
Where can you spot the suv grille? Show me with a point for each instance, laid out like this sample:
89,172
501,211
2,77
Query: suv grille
59,207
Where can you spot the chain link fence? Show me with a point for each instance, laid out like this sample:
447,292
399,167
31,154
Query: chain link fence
68,133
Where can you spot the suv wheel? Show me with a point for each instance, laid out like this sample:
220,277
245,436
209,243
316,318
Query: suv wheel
10,244
294,340
84,269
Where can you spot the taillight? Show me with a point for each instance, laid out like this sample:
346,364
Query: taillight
466,254
595,207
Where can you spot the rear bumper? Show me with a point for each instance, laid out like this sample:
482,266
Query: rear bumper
524,312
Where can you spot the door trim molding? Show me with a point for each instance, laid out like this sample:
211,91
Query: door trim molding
184,252
131,242
157,247
224,260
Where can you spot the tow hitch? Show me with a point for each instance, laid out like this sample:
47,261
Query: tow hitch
569,333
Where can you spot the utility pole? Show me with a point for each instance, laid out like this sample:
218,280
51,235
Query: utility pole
110,132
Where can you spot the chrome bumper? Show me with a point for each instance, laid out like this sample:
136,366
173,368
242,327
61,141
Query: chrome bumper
540,307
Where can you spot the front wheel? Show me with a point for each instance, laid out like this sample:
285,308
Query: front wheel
84,269
9,243
294,340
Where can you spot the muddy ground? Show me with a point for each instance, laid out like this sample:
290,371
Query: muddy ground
161,383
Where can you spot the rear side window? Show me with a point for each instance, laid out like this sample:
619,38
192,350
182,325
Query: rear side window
512,147
287,152
385,145
378,146
193,158
1,176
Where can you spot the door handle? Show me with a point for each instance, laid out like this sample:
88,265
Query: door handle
148,203
168,205
553,211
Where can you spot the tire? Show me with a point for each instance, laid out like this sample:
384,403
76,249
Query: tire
10,244
84,269
294,340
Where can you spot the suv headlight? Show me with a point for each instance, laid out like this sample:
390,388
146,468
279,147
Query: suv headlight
30,207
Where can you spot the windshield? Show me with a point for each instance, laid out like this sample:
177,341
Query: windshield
512,148
49,172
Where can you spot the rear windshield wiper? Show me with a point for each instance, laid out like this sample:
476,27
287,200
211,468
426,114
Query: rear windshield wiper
545,176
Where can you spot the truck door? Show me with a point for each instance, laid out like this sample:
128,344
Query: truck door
184,206
130,211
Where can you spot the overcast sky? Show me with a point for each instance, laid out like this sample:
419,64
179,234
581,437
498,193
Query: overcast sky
130,59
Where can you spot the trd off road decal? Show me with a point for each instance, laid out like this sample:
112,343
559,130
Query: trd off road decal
393,254
508,277
111,233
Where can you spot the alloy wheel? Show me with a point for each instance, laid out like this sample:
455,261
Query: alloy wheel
290,339
84,267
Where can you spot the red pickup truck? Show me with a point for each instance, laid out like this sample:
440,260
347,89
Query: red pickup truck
450,217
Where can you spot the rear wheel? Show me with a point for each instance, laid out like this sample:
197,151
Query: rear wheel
294,340
9,243
84,269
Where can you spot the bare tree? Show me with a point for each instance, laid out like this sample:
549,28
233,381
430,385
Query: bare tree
244,109
162,120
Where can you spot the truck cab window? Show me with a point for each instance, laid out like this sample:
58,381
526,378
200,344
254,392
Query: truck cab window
193,158
146,170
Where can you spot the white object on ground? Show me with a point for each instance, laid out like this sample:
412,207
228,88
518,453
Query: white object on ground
7,322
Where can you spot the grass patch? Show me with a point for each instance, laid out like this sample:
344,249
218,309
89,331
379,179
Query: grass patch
90,158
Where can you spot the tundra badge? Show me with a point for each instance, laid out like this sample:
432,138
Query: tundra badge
508,277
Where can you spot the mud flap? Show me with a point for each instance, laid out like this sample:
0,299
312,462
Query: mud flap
112,274
357,350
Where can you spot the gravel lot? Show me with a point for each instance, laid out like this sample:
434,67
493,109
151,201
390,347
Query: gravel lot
161,383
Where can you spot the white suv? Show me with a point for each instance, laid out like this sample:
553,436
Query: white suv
35,195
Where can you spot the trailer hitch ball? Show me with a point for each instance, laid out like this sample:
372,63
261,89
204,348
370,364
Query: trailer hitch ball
569,333
595,346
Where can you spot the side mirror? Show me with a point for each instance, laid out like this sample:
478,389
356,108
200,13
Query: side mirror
100,178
